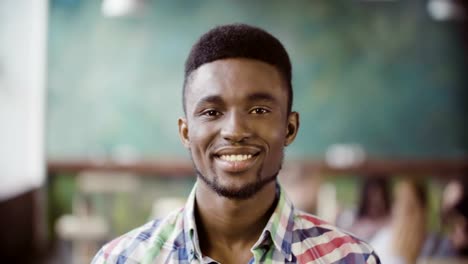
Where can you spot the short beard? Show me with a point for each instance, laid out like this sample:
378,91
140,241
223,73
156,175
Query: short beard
246,192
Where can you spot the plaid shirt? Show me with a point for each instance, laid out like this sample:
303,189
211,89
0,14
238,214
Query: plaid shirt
290,236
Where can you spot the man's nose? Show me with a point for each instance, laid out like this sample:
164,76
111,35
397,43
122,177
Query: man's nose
235,128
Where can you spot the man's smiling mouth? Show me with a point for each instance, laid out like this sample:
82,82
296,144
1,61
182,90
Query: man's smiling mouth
236,159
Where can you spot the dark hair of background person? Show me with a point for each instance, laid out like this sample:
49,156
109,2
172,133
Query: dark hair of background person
373,181
239,41
461,207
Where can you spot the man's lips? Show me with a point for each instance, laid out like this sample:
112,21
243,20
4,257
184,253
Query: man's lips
236,159
241,150
234,164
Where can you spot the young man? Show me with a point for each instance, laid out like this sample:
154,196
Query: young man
237,99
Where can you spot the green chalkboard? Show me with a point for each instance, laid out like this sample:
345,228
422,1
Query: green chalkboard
381,74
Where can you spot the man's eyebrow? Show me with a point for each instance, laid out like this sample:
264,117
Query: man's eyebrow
261,97
211,99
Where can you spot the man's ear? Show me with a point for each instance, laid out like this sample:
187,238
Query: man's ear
292,128
183,132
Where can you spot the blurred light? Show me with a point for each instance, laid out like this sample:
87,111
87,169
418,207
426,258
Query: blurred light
125,154
344,155
73,227
119,8
165,205
327,204
445,10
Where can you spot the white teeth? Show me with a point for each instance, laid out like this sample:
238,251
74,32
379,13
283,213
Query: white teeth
236,157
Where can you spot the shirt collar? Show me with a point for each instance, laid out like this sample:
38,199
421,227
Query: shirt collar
279,228
190,229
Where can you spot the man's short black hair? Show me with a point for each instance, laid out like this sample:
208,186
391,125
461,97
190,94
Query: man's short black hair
239,41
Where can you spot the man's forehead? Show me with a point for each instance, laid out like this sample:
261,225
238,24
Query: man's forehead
234,73
234,69
232,64
254,96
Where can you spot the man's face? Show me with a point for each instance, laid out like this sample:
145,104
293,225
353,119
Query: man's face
237,125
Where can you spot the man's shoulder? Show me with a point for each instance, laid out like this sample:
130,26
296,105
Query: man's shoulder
135,245
315,239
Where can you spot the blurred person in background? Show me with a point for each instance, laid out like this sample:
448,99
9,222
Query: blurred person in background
459,233
401,242
237,102
454,216
374,207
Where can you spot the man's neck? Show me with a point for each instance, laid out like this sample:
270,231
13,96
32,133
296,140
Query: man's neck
228,225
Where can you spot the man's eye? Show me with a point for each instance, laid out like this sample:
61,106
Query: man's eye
211,113
259,111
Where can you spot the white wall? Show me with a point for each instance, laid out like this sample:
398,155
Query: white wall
23,35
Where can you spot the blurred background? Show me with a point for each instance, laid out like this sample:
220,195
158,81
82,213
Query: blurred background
90,93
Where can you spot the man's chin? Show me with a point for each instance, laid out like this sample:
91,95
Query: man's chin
244,192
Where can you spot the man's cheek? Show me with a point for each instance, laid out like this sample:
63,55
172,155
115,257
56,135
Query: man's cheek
276,137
